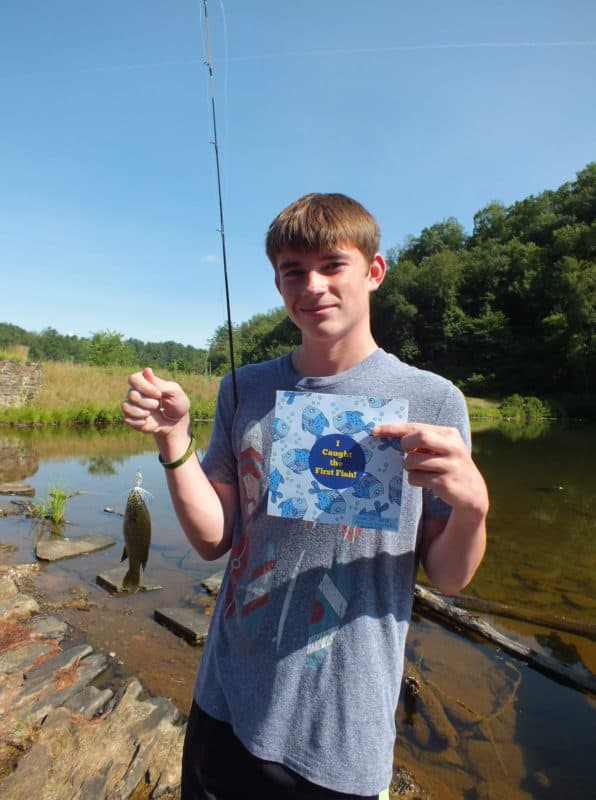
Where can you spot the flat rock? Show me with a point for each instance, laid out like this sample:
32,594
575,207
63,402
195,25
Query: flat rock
213,583
21,606
89,701
13,487
55,549
18,659
49,627
112,581
188,623
8,509
8,587
61,662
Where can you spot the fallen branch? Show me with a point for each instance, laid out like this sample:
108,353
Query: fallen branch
426,601
587,629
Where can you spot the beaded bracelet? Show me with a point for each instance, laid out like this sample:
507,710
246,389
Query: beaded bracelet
182,459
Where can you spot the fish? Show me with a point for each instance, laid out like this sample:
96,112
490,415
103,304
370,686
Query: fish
395,487
296,459
377,402
367,486
291,396
390,442
328,499
314,421
349,422
293,508
373,517
136,530
275,479
280,429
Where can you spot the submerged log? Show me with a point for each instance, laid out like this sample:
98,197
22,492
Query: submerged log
426,602
428,704
587,629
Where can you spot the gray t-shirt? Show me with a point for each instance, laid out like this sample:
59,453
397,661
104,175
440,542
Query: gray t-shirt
305,653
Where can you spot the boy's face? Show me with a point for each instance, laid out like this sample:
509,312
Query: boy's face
326,293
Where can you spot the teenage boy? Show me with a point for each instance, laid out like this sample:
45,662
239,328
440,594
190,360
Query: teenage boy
299,680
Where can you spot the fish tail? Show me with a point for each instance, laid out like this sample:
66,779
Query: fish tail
132,579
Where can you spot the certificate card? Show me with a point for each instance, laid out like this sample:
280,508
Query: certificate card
325,465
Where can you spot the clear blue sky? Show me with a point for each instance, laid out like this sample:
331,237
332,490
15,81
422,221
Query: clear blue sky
421,110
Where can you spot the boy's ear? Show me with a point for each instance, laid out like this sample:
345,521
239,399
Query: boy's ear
376,272
276,279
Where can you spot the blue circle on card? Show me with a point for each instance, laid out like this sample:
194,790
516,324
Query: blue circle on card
336,461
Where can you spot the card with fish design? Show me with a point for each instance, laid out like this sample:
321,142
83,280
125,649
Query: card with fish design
325,465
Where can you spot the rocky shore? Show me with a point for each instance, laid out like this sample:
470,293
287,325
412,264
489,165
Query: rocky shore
63,732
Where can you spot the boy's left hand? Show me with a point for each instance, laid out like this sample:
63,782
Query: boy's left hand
437,458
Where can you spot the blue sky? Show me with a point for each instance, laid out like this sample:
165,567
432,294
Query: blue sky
421,110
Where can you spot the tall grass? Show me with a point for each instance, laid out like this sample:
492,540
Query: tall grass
14,352
85,396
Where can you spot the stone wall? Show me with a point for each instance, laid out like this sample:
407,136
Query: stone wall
20,382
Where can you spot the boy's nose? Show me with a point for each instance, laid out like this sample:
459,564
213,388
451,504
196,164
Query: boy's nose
315,281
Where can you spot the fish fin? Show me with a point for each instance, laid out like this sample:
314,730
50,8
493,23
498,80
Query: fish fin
131,581
124,554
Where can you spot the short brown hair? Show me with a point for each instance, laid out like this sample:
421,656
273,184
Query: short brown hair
323,221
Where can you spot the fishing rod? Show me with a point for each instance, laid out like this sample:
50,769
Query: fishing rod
209,65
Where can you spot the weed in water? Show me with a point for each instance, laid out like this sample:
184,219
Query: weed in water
54,508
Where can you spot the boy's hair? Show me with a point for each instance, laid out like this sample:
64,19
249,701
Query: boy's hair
321,222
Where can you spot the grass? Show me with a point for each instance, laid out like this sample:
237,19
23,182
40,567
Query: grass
484,408
54,508
84,397
81,395
15,352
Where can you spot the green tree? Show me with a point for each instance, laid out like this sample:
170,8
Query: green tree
107,348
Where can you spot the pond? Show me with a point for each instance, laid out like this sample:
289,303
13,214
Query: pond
491,725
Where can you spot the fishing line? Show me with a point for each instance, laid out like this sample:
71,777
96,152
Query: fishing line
209,65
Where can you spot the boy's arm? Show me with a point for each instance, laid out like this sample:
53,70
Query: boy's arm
206,510
437,458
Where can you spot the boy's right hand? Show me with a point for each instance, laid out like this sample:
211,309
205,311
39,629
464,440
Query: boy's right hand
154,405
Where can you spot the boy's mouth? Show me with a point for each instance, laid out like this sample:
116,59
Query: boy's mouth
316,310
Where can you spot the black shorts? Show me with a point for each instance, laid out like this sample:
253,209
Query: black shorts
217,766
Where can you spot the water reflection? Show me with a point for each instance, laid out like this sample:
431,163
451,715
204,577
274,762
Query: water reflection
17,459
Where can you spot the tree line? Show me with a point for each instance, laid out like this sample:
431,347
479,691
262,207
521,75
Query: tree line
509,307
102,348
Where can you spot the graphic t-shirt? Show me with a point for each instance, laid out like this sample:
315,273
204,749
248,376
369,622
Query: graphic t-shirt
305,652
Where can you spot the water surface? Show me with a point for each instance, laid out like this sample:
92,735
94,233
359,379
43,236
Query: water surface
492,726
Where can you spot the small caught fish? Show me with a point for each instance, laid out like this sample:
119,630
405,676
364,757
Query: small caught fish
137,535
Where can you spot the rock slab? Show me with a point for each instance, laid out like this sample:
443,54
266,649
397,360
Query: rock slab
22,489
188,623
56,549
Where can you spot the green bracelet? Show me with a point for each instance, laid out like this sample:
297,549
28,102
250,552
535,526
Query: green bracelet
182,459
